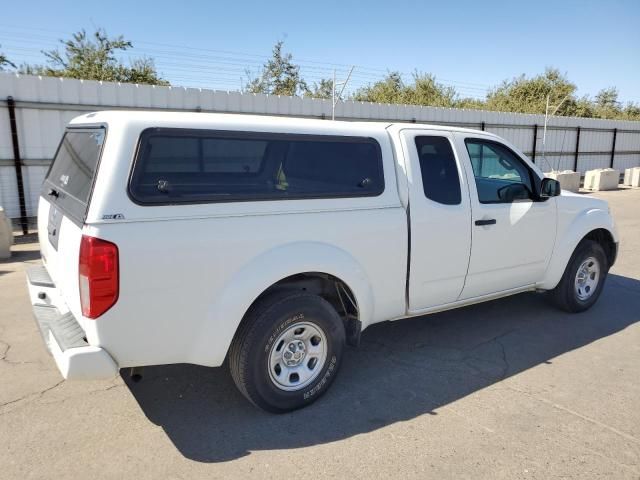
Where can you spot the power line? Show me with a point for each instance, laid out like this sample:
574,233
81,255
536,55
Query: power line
226,66
311,68
44,38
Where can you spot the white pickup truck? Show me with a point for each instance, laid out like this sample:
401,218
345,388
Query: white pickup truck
272,242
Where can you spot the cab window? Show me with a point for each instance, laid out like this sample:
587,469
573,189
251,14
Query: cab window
438,169
500,175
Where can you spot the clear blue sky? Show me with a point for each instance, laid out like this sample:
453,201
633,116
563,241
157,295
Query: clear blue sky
472,45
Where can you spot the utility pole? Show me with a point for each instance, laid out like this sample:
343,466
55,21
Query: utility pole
334,97
544,133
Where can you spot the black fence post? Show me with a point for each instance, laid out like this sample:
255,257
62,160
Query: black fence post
11,104
575,158
482,125
535,142
613,147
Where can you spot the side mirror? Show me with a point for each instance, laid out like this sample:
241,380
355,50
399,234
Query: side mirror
549,188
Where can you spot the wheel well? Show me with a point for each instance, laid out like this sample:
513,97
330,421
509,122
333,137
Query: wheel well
329,287
605,239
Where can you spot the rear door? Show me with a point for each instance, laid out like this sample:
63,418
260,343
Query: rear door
63,205
440,217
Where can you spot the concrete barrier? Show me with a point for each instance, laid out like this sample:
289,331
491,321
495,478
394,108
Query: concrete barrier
632,177
6,235
601,179
569,180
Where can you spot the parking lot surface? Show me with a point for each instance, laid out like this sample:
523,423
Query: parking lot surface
507,389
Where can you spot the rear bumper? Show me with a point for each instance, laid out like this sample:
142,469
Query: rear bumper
63,335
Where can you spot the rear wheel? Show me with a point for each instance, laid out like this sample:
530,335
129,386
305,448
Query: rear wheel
583,278
287,351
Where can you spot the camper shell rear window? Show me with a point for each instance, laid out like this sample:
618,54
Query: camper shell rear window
69,181
175,166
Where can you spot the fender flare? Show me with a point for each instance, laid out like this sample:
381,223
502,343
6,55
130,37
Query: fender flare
567,241
229,305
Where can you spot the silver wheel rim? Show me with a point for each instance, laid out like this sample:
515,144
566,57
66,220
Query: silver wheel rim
587,278
297,356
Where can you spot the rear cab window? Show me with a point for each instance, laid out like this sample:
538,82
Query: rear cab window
69,181
439,171
174,166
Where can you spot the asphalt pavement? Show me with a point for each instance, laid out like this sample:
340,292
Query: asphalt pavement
507,389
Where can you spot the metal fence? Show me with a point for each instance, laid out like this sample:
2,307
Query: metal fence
38,108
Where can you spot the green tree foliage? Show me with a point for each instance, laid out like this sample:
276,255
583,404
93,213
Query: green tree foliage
5,62
607,105
522,94
279,76
323,89
424,90
631,111
93,57
388,90
470,103
529,95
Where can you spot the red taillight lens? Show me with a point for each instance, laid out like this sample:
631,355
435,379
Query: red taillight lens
98,274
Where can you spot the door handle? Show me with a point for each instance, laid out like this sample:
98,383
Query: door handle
488,221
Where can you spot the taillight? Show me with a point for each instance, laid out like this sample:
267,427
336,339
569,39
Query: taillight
98,274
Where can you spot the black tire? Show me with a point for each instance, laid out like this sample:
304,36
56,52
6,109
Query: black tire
253,345
565,295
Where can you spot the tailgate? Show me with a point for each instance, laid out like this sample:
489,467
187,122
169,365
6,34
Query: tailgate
63,206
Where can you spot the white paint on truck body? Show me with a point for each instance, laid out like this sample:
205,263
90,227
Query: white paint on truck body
189,272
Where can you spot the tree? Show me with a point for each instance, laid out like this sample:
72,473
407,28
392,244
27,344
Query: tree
427,91
424,90
529,95
631,111
4,62
607,98
470,103
581,107
390,89
279,76
323,89
606,104
93,57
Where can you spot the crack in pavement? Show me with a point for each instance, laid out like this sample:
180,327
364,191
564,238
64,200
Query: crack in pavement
5,354
6,350
38,395
33,395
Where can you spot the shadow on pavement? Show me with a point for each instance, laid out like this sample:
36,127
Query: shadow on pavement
22,256
402,370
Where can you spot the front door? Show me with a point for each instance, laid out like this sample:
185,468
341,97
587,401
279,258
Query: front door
513,232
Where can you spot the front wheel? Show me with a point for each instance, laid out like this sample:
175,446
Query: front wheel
583,278
287,351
